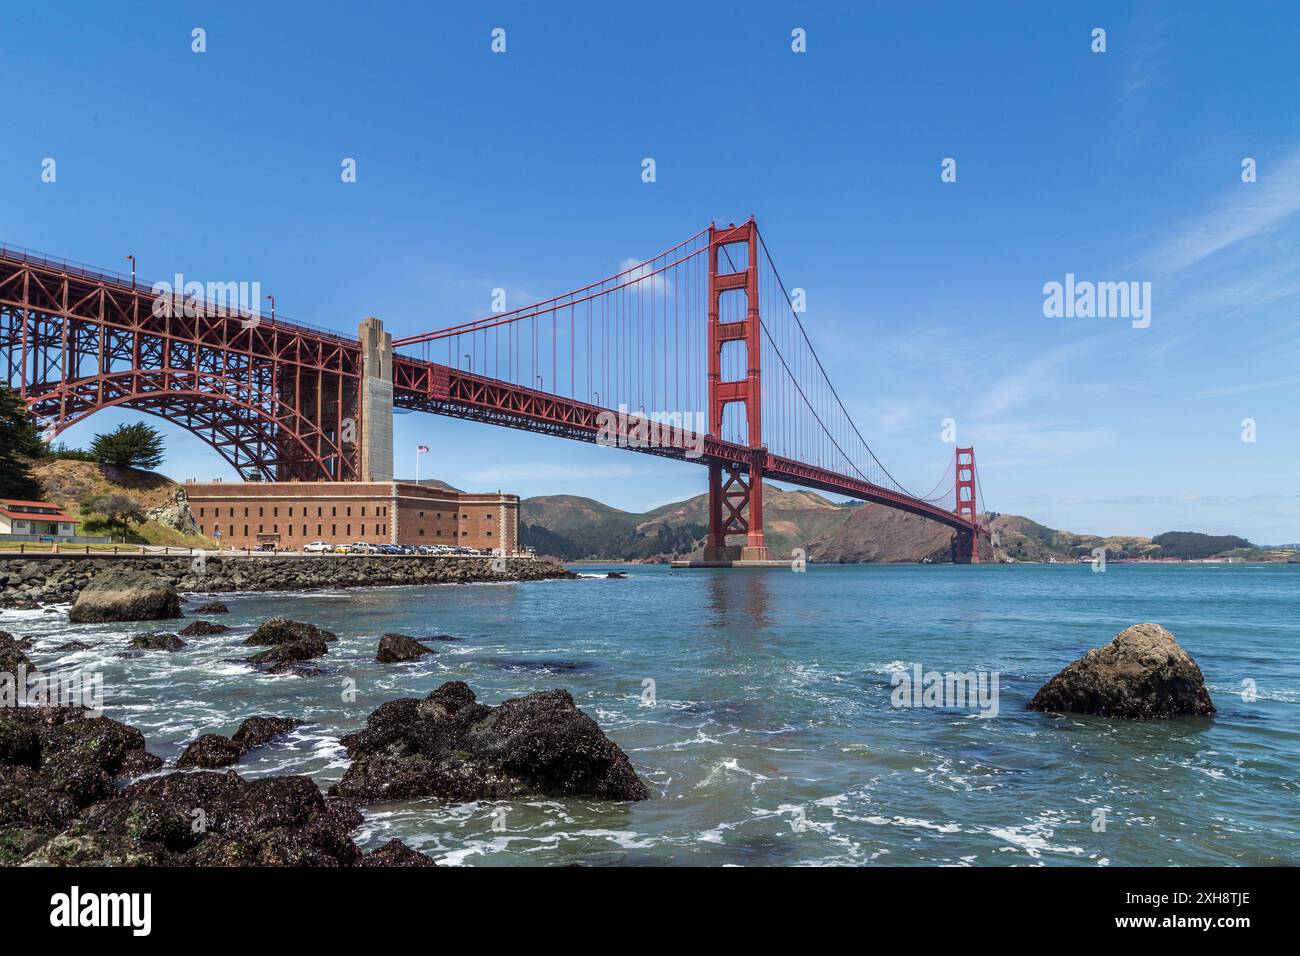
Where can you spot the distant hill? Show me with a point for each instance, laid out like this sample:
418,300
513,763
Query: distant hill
873,533
1017,538
1193,545
575,529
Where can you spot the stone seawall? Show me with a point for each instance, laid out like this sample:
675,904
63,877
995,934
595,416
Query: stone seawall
31,580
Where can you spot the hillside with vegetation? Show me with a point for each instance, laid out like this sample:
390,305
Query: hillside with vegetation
578,529
1193,546
1016,538
581,529
155,507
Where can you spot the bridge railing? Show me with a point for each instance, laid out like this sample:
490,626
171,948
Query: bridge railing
71,267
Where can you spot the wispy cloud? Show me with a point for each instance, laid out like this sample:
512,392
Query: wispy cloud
1243,212
1039,442
1032,380
1146,61
1249,387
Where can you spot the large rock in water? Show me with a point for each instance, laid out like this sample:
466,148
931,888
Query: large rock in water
215,750
203,628
1142,674
12,658
281,630
290,643
287,658
395,648
450,746
125,594
259,731
210,750
157,642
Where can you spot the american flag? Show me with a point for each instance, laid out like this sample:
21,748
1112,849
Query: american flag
422,449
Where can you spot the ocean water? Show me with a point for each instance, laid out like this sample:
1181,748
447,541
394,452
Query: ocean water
772,738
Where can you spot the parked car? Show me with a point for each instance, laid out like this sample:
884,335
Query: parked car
266,546
342,549
318,547
389,549
362,547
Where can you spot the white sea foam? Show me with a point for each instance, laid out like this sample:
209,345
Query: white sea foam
1282,695
627,839
913,822
1034,838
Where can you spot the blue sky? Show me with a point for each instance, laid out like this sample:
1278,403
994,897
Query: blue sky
522,170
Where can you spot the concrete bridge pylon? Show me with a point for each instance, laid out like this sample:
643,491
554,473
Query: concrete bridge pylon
376,400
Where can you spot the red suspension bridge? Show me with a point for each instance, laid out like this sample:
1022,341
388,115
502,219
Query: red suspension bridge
697,354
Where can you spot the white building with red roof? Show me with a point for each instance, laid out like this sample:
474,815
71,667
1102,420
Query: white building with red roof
35,519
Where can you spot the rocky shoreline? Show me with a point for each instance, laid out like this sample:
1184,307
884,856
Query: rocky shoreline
80,789
69,800
31,580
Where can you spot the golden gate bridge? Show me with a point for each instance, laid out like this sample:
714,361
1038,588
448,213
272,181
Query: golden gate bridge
704,333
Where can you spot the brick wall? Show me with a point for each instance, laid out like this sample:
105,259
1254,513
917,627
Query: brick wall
292,514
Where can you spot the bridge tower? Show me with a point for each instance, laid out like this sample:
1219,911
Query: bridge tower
735,487
376,401
965,546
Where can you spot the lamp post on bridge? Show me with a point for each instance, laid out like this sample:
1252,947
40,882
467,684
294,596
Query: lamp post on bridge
132,258
272,301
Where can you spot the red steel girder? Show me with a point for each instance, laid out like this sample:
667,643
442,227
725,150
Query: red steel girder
73,341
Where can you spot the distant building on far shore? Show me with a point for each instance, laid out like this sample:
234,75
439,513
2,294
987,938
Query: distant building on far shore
290,514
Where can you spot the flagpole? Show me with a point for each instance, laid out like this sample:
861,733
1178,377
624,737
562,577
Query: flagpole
417,464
